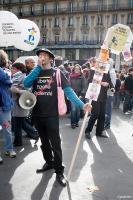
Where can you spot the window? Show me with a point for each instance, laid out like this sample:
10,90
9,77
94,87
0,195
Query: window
44,8
100,4
85,37
32,10
114,19
44,39
56,22
130,18
99,35
115,4
122,19
70,22
84,54
70,36
85,5
85,20
20,11
130,3
70,54
99,20
71,6
57,38
43,22
56,7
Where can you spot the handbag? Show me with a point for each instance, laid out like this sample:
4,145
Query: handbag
62,108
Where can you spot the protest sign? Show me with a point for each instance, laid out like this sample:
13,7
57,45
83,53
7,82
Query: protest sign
29,37
127,53
101,67
116,38
9,28
93,91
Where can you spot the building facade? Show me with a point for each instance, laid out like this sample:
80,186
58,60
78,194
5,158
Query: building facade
73,29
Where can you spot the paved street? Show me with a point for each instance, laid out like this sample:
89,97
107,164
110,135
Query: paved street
103,169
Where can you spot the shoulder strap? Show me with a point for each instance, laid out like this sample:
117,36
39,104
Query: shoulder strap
58,77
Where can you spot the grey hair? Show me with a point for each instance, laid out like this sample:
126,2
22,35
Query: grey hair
30,58
3,58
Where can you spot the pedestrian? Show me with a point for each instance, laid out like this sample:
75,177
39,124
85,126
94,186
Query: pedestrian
98,107
77,81
116,100
43,80
6,104
30,64
28,123
110,95
18,114
127,104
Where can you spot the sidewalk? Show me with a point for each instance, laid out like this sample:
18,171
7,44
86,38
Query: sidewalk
102,171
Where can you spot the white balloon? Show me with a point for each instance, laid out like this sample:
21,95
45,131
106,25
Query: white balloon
9,28
29,37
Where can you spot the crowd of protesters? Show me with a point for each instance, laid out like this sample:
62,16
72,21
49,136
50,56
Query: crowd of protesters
116,90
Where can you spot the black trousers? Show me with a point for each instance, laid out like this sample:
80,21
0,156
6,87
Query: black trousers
48,130
97,113
17,128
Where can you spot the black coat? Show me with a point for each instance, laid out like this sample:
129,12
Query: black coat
129,83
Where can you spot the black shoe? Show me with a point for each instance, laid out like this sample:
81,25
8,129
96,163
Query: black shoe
61,179
103,136
87,135
73,126
45,167
36,140
15,144
77,125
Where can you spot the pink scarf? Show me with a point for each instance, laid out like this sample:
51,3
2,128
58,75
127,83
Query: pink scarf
74,75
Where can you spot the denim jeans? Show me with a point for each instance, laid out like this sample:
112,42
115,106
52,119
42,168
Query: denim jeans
116,100
108,112
5,118
75,114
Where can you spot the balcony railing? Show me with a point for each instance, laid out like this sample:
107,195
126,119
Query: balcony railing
95,8
81,42
74,44
81,9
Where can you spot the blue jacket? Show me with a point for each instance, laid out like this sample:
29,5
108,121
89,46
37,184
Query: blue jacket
5,84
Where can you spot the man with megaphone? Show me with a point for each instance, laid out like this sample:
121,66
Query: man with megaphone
43,80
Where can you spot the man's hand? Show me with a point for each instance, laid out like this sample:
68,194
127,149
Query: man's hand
112,90
41,61
87,107
14,90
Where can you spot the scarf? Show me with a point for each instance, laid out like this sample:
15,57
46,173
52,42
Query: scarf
74,75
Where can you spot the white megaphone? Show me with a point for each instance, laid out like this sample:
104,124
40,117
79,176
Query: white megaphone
27,100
